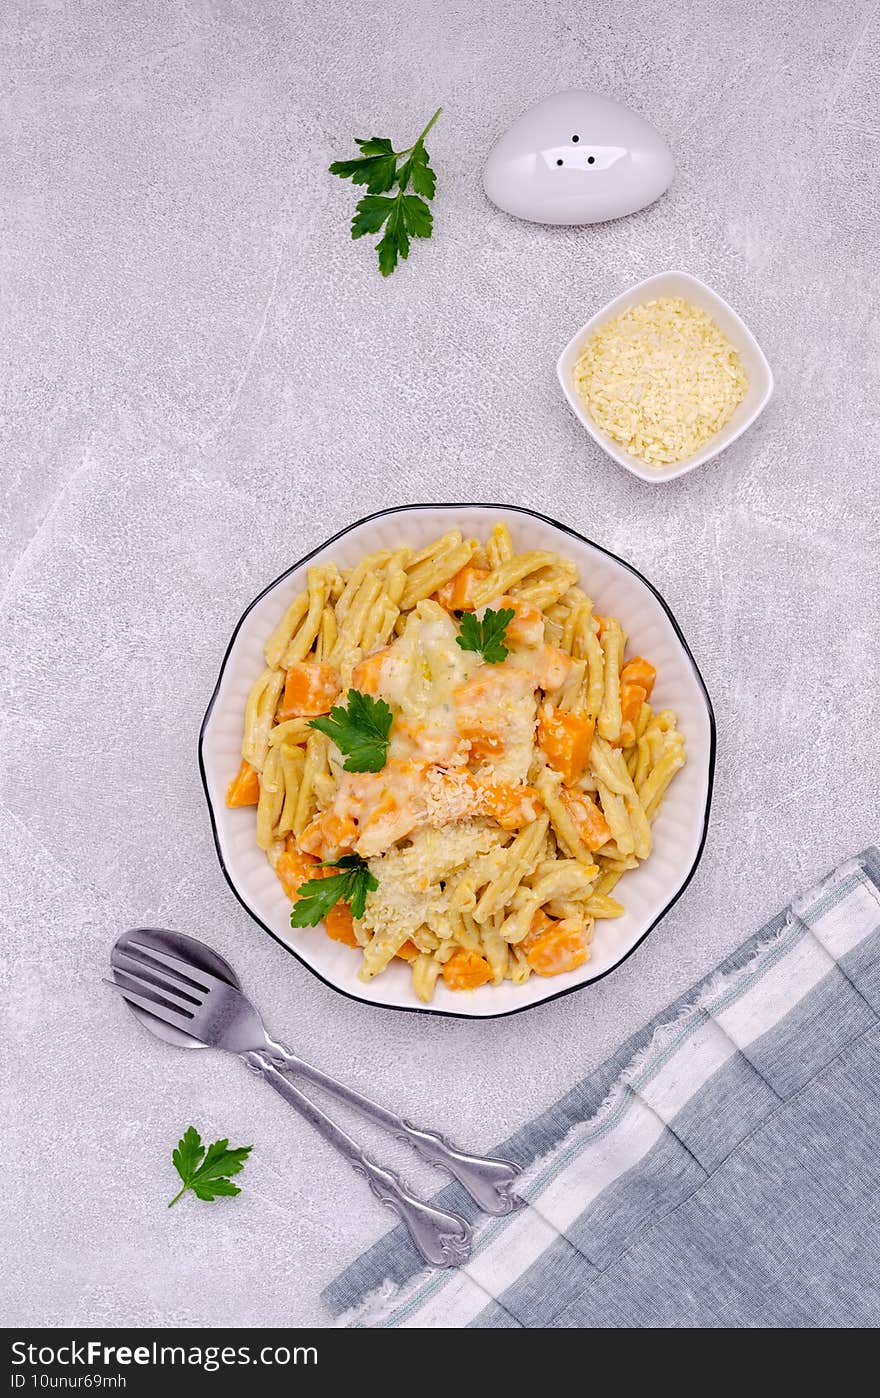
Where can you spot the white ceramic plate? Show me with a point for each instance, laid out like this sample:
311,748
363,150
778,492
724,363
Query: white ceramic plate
647,892
759,374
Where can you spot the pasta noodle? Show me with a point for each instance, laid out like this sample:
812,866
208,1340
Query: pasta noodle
514,790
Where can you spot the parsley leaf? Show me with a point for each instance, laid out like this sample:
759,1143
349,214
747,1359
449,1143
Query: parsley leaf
396,241
318,896
486,636
206,1172
402,215
424,181
372,212
376,167
360,731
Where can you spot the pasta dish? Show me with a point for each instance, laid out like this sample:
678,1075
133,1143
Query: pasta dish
453,761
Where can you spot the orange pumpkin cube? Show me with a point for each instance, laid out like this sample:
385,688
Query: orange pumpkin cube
527,627
366,677
512,806
455,595
329,835
294,868
244,789
552,668
565,740
639,671
590,823
632,697
339,923
561,948
541,922
310,689
466,970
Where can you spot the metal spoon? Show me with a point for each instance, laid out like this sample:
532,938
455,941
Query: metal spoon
188,994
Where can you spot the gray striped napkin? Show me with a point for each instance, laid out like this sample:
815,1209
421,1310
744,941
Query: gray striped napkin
722,1169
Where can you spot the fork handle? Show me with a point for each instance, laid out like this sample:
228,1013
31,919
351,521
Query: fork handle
487,1180
443,1239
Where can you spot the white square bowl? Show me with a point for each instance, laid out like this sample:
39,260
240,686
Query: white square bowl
646,893
754,362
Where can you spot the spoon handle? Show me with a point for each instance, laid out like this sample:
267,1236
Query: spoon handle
487,1180
443,1239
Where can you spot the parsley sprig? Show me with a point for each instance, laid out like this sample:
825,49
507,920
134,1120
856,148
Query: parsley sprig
402,215
318,896
360,731
486,636
206,1172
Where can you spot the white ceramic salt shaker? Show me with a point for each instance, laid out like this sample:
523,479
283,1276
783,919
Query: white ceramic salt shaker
577,158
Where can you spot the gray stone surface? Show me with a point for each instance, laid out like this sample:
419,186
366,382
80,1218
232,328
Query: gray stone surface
203,377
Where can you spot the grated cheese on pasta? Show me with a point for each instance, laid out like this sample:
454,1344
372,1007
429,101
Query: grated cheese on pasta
448,796
661,379
410,895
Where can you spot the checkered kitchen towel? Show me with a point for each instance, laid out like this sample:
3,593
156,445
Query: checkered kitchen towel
723,1169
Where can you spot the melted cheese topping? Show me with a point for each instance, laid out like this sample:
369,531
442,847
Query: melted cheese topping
460,726
661,379
422,671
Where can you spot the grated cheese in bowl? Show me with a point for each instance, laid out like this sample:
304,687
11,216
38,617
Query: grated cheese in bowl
661,379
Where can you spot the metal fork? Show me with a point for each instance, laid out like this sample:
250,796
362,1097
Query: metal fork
216,1013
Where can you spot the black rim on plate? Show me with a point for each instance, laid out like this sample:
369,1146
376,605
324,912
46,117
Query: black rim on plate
565,529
